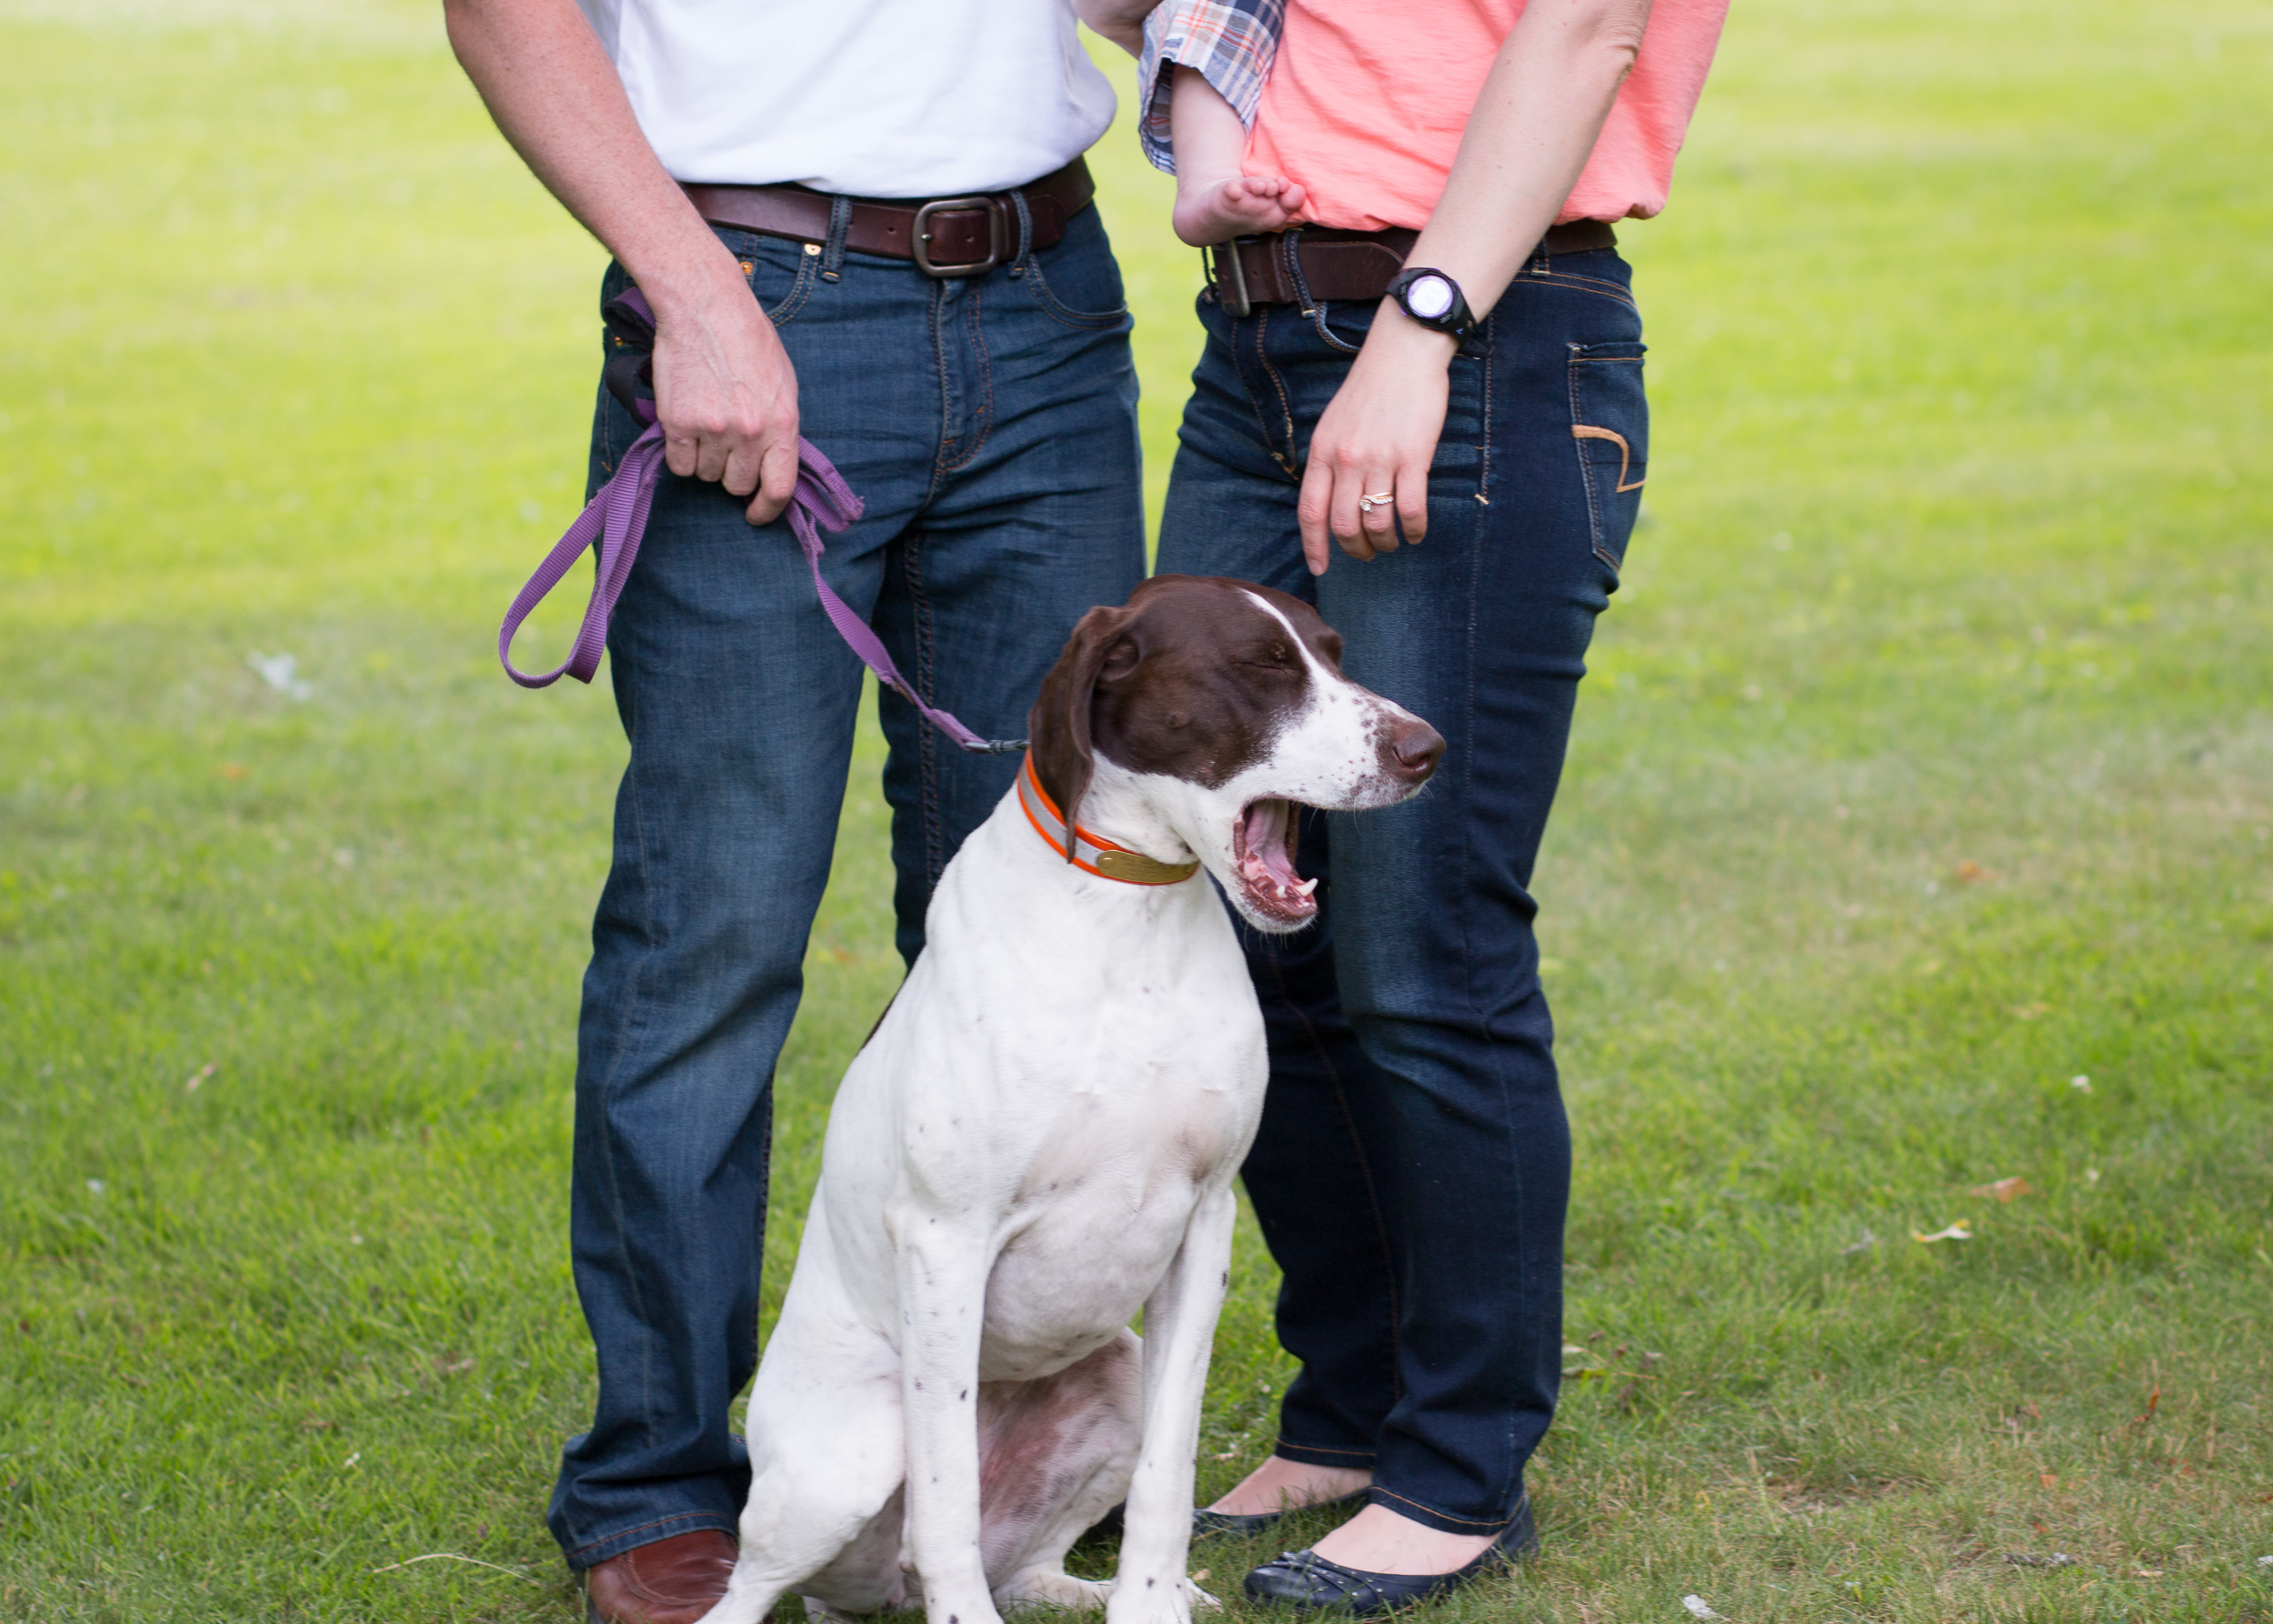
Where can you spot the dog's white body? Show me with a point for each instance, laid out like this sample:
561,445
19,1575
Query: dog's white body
1038,1141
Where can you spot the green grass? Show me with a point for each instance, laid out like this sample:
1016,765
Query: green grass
1928,764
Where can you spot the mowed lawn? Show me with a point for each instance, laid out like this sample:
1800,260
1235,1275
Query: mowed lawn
1918,836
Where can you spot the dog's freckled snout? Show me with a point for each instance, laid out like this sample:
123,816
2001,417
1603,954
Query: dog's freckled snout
1414,749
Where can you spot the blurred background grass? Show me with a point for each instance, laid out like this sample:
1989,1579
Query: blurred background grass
1927,765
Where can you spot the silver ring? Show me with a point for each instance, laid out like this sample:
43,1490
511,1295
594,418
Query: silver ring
1368,504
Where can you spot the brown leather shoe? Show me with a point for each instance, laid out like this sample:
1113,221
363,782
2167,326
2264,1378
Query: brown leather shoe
672,1581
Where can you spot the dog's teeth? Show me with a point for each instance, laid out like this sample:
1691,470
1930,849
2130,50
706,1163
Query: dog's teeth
1306,888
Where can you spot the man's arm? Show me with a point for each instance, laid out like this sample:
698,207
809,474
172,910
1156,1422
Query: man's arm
724,391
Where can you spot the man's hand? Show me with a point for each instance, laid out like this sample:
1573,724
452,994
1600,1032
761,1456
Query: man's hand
1377,438
727,398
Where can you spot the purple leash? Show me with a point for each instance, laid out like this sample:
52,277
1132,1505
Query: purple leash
616,517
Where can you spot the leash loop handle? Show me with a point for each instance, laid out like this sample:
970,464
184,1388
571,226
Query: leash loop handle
616,519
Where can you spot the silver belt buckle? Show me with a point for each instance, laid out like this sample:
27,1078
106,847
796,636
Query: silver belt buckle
1230,278
998,236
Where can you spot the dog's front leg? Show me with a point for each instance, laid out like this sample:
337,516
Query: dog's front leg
942,1295
1179,1328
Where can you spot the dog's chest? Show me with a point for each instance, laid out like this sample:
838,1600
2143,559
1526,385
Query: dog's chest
1098,1216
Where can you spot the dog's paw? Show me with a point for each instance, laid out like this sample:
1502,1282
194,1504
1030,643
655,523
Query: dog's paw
1171,1604
1045,1587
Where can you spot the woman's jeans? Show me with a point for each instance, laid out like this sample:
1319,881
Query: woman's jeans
1414,1163
990,425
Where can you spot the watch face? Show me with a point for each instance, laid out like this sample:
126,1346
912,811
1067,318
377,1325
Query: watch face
1430,296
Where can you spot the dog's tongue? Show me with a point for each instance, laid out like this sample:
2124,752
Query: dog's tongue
1265,861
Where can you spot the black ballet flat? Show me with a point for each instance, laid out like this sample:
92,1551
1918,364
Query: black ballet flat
1304,1580
1245,1524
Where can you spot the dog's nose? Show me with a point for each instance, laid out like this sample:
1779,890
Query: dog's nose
1415,748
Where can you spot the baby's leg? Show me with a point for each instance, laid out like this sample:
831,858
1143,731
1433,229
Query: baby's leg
1215,202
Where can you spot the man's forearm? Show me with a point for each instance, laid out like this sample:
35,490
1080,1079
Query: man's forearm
554,94
726,395
1535,124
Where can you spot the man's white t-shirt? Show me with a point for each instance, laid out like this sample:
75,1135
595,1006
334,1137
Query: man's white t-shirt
878,98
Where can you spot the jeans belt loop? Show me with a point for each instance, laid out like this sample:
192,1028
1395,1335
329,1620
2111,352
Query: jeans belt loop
996,233
1023,250
839,223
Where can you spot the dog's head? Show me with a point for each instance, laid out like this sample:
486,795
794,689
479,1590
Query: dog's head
1205,709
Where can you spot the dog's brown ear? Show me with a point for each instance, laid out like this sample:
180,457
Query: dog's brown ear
1057,727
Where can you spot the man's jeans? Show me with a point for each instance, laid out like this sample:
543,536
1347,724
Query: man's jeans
990,425
1413,1162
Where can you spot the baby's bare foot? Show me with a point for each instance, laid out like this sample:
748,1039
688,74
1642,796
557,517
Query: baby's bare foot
1216,211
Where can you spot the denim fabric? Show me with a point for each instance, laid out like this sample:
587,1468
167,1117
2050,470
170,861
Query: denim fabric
1413,1166
989,424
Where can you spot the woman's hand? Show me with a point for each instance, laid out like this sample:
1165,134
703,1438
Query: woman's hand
1377,438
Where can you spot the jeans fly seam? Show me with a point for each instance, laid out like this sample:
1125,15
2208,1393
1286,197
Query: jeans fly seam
985,411
939,461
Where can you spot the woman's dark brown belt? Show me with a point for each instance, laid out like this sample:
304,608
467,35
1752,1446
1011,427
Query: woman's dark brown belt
945,236
1344,264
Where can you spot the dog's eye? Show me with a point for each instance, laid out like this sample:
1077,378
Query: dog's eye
1276,656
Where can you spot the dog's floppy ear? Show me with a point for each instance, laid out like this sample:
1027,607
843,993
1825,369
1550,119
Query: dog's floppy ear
1057,727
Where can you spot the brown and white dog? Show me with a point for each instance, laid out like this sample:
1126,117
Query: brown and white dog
1039,1139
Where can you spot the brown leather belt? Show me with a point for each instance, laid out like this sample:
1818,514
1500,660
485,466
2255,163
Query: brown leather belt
1344,264
945,236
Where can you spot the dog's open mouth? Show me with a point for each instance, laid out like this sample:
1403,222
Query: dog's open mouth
1263,847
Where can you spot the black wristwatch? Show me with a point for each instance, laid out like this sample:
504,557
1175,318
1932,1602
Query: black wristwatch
1435,300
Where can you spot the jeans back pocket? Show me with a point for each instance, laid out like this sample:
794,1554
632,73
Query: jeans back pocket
1609,430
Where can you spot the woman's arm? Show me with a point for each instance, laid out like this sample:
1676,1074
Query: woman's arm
1533,127
724,391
